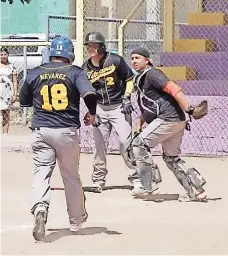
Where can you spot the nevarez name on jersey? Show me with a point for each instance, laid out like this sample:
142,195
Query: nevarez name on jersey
109,79
54,90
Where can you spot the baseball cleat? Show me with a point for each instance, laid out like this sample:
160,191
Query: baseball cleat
75,227
96,188
39,226
201,197
142,193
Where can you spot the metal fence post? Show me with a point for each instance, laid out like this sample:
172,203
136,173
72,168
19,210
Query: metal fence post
168,25
47,32
24,115
200,5
72,23
80,33
122,26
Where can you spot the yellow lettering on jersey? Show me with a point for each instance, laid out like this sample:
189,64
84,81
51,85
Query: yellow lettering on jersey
110,80
42,77
96,75
62,76
53,76
59,97
45,93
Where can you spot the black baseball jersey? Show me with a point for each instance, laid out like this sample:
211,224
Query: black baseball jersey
54,90
109,79
153,101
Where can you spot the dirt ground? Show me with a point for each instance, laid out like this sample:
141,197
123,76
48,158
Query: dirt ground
117,223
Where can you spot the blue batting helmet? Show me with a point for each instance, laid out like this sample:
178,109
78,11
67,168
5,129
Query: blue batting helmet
62,47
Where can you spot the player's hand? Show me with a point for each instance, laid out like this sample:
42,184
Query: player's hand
127,106
97,121
89,119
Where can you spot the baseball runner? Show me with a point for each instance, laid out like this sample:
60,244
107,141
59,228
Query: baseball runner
54,89
112,79
163,105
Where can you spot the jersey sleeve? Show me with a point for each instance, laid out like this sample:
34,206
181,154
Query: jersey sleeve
84,65
157,79
124,71
83,84
26,93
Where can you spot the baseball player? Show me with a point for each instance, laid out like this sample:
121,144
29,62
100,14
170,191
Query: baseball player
54,90
112,79
163,105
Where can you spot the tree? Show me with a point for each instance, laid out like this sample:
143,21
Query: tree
11,1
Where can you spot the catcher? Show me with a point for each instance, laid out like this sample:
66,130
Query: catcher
163,105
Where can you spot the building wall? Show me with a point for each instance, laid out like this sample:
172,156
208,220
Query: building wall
30,18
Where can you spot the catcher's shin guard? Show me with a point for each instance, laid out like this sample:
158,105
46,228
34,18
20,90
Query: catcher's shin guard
156,177
144,162
190,179
138,156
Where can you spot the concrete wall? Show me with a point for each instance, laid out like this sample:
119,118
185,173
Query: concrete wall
30,18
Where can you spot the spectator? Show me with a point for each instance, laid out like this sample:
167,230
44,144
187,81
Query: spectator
8,88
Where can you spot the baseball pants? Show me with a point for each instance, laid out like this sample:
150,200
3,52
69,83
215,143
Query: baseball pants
49,144
111,117
169,134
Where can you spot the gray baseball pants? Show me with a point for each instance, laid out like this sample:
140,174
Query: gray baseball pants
49,144
111,117
169,134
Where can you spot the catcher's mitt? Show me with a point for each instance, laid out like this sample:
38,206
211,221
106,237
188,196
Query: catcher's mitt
199,111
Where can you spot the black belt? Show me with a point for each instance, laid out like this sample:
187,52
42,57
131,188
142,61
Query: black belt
35,129
38,128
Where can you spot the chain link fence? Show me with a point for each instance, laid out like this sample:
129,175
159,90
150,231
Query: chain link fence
198,60
21,57
194,55
187,40
143,28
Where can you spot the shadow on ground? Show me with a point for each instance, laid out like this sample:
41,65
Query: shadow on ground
91,189
57,234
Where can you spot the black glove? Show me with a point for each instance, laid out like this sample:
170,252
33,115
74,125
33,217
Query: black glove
97,121
127,106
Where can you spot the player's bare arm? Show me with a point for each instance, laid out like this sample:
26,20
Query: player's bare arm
179,95
161,82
